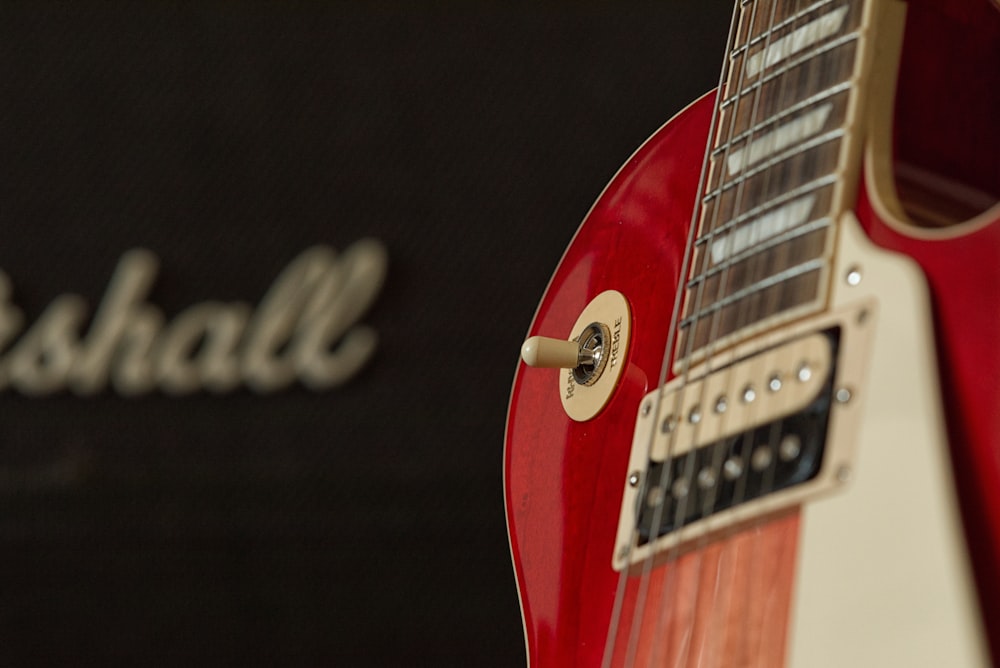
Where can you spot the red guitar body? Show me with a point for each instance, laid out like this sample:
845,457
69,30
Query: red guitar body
564,479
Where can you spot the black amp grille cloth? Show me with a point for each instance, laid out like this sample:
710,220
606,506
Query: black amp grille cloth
356,526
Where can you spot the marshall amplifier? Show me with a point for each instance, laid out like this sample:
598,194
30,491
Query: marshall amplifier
264,274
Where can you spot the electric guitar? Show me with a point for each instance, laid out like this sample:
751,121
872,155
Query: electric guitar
764,426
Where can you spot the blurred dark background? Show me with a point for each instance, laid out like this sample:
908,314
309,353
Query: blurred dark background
362,525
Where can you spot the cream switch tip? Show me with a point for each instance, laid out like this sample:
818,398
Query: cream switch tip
546,353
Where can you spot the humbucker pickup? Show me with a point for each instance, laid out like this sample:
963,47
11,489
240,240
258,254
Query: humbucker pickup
702,472
736,439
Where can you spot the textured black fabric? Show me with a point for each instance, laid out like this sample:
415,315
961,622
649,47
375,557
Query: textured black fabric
358,526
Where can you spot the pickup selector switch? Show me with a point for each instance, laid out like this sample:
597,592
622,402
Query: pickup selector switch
591,358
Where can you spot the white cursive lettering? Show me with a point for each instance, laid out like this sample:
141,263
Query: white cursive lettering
305,328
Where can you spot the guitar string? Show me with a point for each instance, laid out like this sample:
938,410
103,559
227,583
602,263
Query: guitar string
756,260
657,411
718,450
815,70
667,483
670,588
772,450
742,447
672,599
773,438
668,591
752,572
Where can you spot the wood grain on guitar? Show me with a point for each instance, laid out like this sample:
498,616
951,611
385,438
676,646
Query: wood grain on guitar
768,480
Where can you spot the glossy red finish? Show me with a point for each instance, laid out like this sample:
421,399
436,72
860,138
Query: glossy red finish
564,479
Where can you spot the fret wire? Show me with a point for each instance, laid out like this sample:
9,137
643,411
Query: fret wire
791,19
797,270
759,211
799,106
777,240
708,162
775,202
805,247
764,35
805,80
790,65
821,76
814,142
740,26
778,26
798,149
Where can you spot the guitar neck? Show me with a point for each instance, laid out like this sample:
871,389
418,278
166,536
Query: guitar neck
781,169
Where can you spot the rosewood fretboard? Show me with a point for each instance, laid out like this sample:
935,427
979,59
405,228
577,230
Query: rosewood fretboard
784,136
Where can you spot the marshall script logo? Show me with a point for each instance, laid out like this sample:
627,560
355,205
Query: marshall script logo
304,328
